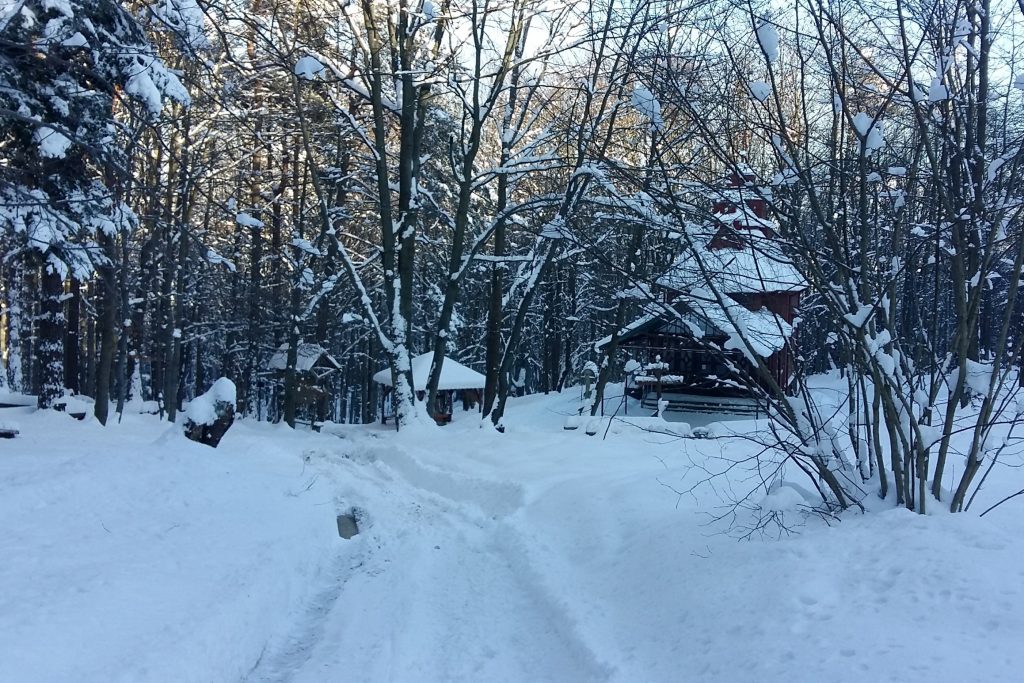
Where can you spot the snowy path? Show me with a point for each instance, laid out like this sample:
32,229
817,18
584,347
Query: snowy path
567,560
536,555
450,597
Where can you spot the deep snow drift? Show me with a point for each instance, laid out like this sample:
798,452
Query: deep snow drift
130,553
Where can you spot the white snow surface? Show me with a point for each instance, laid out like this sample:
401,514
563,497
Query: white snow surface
133,554
248,221
644,101
541,554
937,90
309,68
454,375
52,143
870,129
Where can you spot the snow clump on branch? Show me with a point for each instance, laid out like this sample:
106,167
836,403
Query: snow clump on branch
768,39
647,104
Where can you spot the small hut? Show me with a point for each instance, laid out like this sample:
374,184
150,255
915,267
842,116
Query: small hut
457,381
313,365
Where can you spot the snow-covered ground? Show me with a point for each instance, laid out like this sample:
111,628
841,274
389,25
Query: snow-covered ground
131,554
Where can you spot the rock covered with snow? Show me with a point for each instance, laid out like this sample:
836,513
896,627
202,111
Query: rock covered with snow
206,408
210,415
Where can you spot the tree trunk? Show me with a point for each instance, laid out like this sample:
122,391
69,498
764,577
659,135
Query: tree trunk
73,342
51,336
109,307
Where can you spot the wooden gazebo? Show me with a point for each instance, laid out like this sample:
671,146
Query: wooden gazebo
457,381
313,365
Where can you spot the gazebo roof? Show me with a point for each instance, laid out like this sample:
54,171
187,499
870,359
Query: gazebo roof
454,375
307,356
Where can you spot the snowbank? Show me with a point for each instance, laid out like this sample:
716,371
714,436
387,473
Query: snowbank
132,554
540,554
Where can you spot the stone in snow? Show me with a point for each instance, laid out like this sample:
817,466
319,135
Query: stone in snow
210,415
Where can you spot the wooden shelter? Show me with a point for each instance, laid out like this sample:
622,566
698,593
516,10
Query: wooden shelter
313,365
457,381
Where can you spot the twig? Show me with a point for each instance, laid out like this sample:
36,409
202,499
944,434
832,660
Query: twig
1012,495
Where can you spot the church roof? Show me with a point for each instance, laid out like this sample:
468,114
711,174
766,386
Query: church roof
757,267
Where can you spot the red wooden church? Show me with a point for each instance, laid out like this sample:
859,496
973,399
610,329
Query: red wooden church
732,279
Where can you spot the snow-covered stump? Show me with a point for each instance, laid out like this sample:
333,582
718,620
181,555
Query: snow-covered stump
210,415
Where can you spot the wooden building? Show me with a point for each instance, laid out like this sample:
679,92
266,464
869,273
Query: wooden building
732,276
313,366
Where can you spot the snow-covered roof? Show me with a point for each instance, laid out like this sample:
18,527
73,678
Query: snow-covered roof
759,266
739,196
742,216
307,356
765,331
454,375
648,317
702,316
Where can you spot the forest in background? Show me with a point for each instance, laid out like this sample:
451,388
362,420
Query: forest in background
188,186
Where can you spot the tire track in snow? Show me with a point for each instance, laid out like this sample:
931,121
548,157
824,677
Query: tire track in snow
506,545
440,590
278,662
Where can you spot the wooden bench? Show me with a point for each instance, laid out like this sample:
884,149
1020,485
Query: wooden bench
9,400
706,404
